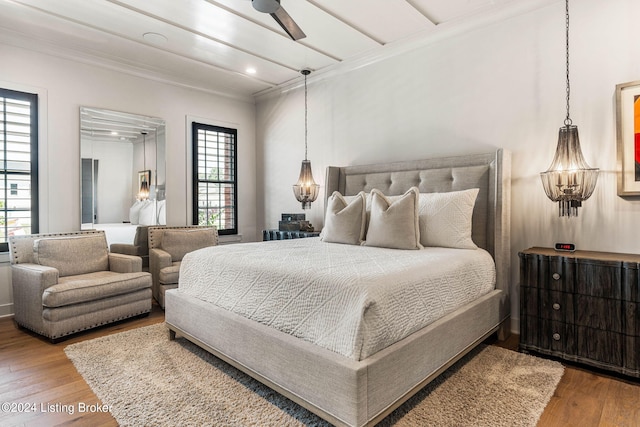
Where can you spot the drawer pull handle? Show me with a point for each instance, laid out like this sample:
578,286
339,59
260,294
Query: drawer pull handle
556,276
556,336
556,306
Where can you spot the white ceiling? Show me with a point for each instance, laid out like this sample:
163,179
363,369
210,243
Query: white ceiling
210,44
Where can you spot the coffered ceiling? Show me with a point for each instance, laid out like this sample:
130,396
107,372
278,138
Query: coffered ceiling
226,46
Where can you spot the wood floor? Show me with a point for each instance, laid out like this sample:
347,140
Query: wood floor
36,373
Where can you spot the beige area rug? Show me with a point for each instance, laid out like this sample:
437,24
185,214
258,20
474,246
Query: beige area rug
151,381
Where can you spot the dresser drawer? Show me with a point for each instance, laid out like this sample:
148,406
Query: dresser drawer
599,313
546,304
600,346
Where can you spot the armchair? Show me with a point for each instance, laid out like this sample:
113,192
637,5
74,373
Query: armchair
167,247
140,246
64,283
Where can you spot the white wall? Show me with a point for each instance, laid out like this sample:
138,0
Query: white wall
114,188
69,85
500,86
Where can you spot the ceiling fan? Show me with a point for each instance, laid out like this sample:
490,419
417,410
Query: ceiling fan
281,16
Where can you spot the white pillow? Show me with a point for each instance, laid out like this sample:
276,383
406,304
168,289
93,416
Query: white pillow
134,212
162,212
394,224
345,222
445,219
147,213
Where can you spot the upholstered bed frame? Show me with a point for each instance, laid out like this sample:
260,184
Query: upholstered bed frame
356,393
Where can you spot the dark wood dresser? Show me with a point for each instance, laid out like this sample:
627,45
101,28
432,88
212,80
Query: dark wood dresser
285,235
582,306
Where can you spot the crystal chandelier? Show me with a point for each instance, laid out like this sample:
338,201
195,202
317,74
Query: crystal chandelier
305,190
569,180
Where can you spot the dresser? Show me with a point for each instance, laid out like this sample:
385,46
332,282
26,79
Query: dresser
582,306
285,235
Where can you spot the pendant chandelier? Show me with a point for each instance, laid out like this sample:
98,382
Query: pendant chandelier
569,180
305,190
143,194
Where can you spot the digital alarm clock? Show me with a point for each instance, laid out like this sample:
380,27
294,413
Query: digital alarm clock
565,247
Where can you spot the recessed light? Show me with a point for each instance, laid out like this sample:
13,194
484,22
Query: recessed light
251,70
155,38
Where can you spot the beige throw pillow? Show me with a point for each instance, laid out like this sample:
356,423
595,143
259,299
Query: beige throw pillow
345,221
445,219
394,224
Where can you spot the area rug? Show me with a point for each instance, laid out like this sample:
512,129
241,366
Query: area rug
147,380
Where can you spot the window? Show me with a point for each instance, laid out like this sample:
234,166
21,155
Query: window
18,164
215,186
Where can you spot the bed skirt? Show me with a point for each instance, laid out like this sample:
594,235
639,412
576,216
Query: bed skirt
341,390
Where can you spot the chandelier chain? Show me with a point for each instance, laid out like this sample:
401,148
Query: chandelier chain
567,120
305,116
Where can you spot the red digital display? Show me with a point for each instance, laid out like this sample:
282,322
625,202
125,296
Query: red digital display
569,247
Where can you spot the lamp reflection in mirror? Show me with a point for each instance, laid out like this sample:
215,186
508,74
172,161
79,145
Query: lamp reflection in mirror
143,194
569,180
305,190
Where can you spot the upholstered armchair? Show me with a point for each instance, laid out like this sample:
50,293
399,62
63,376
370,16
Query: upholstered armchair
68,282
140,246
167,247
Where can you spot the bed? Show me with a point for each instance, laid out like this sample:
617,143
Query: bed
353,379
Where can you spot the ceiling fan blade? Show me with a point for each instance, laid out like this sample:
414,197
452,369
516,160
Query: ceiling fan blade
288,25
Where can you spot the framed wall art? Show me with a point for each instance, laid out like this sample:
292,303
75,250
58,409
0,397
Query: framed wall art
628,135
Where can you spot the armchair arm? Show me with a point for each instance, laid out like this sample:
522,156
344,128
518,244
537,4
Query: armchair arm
125,248
121,263
29,282
158,259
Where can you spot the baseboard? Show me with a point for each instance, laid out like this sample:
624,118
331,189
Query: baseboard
515,325
6,310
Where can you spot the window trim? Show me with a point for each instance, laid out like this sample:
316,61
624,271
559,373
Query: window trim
33,98
195,126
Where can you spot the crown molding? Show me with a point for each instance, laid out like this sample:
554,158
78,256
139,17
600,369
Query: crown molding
23,41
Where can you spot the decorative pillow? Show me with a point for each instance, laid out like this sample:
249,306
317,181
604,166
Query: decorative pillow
73,255
134,212
180,242
445,219
147,213
345,222
394,224
162,212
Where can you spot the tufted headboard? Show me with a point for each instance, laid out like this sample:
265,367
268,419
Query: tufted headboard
490,173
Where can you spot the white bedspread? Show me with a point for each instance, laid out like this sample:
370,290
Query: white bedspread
353,300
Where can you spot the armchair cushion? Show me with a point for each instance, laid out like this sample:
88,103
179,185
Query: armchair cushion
93,286
73,255
170,275
180,242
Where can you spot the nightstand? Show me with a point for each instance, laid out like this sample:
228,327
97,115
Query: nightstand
285,235
582,306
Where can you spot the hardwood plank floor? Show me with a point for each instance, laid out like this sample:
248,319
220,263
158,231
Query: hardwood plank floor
34,371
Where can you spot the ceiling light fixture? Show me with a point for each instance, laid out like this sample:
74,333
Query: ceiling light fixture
569,180
305,190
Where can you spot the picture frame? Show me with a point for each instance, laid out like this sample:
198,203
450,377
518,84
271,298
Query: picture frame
141,177
628,138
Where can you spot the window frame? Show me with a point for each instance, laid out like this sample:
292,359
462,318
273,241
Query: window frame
33,98
195,127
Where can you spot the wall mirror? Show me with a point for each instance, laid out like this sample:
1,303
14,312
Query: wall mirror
122,177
